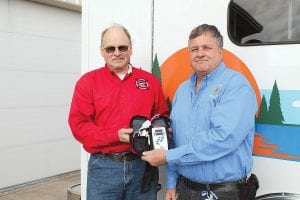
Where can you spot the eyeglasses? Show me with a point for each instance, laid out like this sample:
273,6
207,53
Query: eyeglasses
121,48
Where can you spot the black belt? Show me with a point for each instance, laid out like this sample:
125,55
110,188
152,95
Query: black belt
201,186
125,156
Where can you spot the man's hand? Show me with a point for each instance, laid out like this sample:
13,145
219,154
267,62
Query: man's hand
124,134
155,157
171,194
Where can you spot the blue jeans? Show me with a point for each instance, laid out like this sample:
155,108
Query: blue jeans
109,179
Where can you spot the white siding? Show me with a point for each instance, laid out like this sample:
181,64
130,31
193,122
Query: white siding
39,64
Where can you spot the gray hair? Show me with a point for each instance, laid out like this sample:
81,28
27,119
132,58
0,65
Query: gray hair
119,26
206,28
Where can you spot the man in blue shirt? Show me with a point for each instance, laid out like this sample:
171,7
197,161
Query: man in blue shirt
213,126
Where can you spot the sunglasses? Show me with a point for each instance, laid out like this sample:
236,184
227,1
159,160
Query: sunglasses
121,48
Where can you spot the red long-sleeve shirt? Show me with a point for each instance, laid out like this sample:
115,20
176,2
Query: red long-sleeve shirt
102,104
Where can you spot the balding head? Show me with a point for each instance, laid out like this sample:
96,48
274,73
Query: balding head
113,30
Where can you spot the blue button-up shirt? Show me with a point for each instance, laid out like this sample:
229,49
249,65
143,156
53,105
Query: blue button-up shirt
213,129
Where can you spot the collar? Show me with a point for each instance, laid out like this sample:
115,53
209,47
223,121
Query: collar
121,76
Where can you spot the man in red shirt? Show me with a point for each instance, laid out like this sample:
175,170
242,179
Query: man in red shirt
104,102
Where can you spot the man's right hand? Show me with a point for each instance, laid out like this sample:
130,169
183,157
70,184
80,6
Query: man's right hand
171,194
124,133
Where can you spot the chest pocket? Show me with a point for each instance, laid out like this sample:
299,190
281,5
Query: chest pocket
206,106
210,98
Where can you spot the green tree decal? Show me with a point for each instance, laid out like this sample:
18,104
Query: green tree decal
263,111
156,71
169,104
275,113
156,68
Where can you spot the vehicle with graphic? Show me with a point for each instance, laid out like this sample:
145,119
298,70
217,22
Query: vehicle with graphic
263,44
261,40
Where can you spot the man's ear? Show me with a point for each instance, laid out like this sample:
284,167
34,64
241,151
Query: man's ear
102,51
130,49
221,50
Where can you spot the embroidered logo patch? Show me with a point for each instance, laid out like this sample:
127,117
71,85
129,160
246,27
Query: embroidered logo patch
142,84
216,90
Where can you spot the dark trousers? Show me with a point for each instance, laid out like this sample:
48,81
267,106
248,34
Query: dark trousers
221,191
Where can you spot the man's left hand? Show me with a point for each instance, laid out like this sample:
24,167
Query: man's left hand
124,133
155,157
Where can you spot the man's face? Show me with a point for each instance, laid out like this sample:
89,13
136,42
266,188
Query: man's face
116,49
205,54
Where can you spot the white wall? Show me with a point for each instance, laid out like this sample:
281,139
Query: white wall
39,64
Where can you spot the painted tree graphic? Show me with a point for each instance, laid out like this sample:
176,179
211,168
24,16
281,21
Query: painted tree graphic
156,68
263,111
169,103
273,114
156,71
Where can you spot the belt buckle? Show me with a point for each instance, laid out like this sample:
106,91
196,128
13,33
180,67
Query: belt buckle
122,156
125,157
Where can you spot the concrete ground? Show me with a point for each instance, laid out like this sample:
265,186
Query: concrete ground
52,188
61,187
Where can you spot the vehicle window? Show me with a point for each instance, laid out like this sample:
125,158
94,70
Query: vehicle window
262,22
